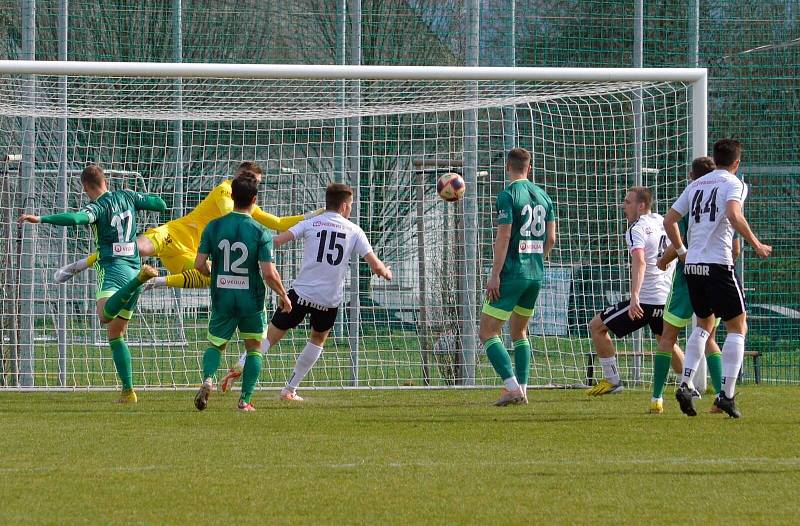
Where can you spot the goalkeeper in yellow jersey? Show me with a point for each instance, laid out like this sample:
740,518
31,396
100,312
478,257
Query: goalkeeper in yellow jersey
175,243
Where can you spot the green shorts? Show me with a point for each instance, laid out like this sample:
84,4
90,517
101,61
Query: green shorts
222,325
516,295
678,310
111,278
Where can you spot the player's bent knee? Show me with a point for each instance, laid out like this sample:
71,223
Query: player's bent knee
596,325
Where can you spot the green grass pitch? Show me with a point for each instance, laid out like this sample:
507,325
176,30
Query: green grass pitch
397,457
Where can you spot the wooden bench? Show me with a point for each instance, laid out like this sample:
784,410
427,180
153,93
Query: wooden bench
755,355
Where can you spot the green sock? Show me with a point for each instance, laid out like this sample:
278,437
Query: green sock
211,359
252,370
662,361
116,303
714,361
522,360
122,361
499,357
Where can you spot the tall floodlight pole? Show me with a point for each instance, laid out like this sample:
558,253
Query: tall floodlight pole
354,137
63,189
468,292
27,189
638,50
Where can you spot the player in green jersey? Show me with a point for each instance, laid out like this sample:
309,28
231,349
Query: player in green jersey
241,254
678,313
526,234
120,273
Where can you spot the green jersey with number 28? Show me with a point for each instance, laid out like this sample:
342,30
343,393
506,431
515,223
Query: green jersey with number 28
527,208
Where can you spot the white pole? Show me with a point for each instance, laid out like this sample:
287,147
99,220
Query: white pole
355,182
467,293
510,113
27,188
63,189
638,48
332,72
177,137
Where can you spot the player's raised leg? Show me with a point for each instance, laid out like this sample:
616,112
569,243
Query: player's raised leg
70,270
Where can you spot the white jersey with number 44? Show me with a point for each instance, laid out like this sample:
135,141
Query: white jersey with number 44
329,240
647,234
710,232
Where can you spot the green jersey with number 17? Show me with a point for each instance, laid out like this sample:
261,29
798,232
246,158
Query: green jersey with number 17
113,220
527,208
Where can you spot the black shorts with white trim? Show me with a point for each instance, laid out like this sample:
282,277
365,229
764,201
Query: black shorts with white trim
714,289
617,320
322,317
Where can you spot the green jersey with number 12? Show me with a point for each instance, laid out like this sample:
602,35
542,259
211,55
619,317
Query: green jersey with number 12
527,208
236,244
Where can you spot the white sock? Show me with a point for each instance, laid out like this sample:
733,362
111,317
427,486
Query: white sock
511,383
264,348
732,358
160,281
695,346
700,379
524,388
656,399
305,362
610,370
80,265
208,381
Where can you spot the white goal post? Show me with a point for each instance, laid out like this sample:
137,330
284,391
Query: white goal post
389,131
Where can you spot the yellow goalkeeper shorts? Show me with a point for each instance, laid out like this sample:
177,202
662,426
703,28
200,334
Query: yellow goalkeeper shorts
175,245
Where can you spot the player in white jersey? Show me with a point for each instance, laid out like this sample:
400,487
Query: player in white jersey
650,287
714,204
329,240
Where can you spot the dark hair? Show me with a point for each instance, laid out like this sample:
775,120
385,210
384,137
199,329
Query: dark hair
518,160
249,166
702,166
643,195
727,152
336,194
93,175
243,189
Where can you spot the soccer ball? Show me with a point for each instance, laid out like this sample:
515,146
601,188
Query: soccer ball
451,187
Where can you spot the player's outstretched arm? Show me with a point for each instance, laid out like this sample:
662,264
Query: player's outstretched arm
378,267
550,237
273,280
150,202
281,224
63,219
733,210
282,239
672,230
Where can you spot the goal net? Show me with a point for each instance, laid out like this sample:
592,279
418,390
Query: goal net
390,138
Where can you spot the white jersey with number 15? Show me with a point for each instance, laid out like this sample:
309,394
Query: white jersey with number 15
329,240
